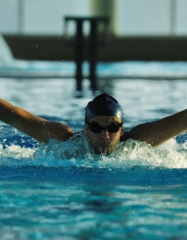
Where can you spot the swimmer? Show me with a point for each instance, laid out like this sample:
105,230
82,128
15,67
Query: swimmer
103,125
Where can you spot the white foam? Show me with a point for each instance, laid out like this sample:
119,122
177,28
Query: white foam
70,153
6,57
15,155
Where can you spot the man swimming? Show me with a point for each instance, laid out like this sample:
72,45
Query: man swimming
103,125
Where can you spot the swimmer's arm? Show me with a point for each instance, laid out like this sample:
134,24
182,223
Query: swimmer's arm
36,127
158,132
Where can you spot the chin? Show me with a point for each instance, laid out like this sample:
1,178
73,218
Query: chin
104,150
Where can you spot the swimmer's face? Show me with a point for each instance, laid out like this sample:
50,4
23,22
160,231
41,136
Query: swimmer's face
104,141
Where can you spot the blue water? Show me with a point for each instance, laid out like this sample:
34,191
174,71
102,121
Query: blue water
137,192
49,203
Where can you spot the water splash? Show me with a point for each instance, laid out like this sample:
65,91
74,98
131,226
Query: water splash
78,153
6,57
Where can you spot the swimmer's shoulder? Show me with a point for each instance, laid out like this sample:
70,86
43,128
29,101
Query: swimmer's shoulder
126,136
77,135
129,135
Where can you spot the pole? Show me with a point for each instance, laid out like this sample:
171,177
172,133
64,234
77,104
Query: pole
79,54
173,17
92,54
20,16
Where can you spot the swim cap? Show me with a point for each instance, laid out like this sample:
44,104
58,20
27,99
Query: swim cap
103,105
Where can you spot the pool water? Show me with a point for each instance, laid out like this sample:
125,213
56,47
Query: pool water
136,192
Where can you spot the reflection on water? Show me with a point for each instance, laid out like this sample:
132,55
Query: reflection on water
90,206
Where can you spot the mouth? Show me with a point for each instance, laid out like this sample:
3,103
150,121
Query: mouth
105,145
105,149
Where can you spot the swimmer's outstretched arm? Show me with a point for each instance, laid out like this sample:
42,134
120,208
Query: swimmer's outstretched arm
158,132
36,127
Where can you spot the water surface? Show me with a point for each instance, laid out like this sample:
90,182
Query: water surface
137,192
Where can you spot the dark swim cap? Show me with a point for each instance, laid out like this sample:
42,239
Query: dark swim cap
103,105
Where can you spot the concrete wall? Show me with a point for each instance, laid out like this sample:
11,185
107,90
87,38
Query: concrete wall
117,49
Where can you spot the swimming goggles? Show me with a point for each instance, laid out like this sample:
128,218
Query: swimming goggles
96,128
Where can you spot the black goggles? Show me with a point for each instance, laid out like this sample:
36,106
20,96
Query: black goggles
96,128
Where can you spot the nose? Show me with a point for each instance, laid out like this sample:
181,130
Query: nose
105,135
